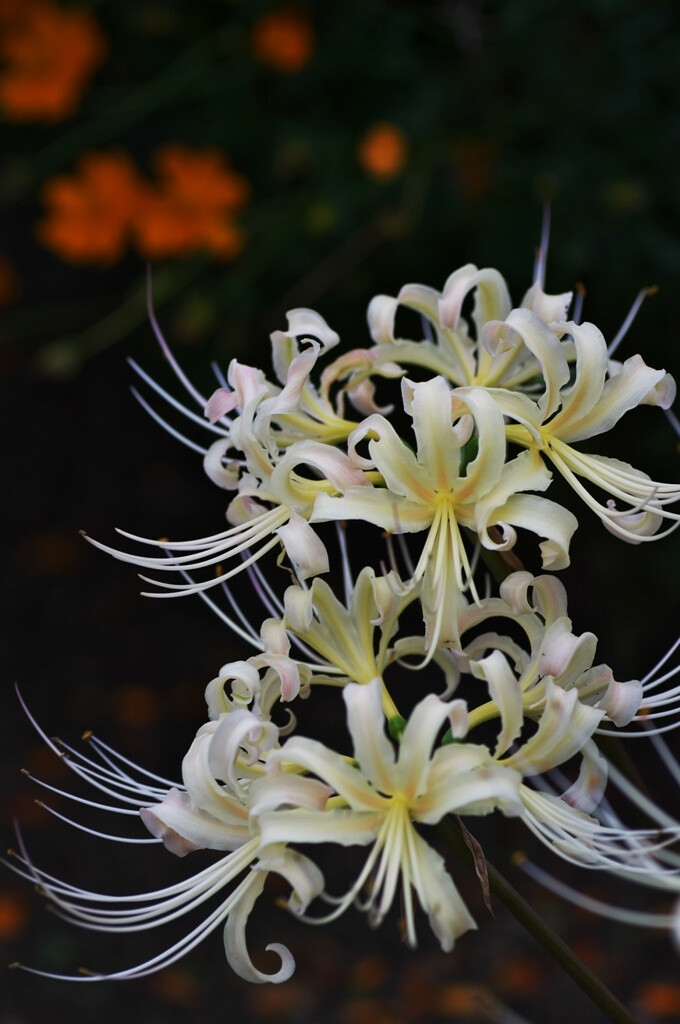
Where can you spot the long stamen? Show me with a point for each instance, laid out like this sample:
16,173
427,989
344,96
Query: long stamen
172,401
166,426
542,253
614,913
632,313
165,348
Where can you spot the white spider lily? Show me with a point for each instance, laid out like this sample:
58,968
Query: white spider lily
538,605
435,491
341,636
592,404
383,795
201,813
451,350
299,409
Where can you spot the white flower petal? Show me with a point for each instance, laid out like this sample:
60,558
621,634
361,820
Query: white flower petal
183,828
299,609
219,404
417,741
622,701
239,734
375,505
235,947
331,768
465,780
304,547
300,872
225,476
563,654
366,723
492,300
548,307
631,386
542,342
338,825
564,728
286,790
448,916
429,405
504,690
545,518
380,314
586,793
246,683
308,324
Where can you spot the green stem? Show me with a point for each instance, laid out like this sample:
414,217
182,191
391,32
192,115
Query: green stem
596,991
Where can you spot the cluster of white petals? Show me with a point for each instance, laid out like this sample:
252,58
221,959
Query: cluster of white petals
458,699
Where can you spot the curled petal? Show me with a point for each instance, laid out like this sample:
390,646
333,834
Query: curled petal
633,384
586,793
184,828
492,300
274,637
327,462
565,727
274,792
332,768
219,404
235,946
304,548
563,652
543,517
246,686
299,609
248,383
300,872
307,323
238,733
362,398
622,701
417,741
288,400
389,596
548,307
380,314
225,476
631,525
504,690
544,345
662,394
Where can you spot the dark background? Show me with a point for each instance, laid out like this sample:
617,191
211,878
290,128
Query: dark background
501,107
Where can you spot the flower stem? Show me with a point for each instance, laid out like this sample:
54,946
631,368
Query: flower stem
591,985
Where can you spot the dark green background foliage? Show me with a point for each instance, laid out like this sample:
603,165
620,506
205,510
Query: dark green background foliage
504,105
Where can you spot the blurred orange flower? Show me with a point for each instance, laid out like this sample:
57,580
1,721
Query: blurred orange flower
382,150
49,54
193,207
660,999
90,214
284,40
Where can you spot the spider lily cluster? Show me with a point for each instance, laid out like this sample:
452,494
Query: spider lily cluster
484,411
